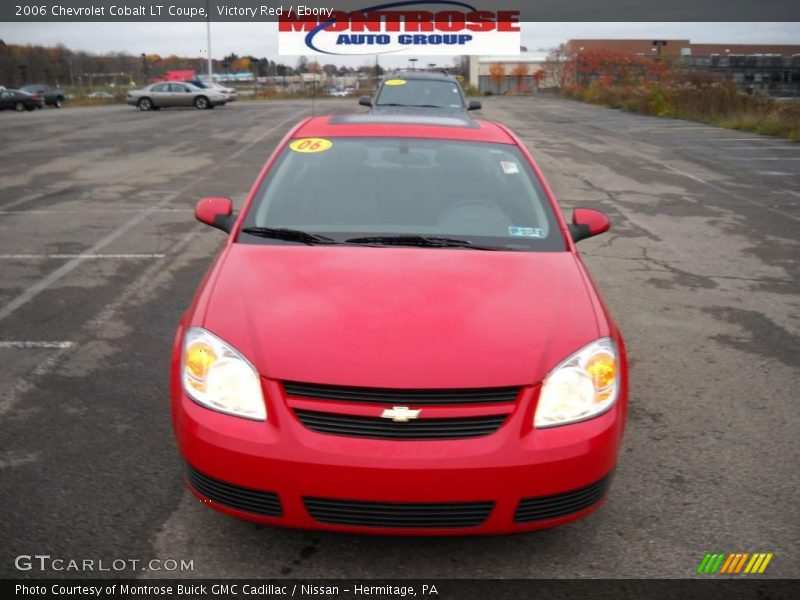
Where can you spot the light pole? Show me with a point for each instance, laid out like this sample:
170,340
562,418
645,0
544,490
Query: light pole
208,42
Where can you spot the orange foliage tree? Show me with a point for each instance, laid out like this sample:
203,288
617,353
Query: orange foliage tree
618,68
497,73
241,65
538,77
519,72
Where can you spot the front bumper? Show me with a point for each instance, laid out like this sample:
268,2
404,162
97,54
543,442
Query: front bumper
281,473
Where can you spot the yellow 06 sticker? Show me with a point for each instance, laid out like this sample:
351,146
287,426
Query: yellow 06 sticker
309,145
395,82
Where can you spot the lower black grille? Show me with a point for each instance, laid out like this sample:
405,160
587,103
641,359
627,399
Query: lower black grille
234,496
416,397
560,505
378,428
400,515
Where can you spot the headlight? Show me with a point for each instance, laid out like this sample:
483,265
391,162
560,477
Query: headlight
581,387
218,377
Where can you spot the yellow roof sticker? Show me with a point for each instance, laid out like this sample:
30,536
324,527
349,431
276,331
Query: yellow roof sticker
395,82
311,145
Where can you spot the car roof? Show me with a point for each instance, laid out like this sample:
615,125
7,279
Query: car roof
450,126
404,74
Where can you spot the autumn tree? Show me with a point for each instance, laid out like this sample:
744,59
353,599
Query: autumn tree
241,65
619,68
497,73
560,66
519,72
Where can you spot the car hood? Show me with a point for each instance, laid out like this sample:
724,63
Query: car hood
400,317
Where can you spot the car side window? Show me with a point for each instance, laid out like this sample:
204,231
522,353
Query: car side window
161,87
177,87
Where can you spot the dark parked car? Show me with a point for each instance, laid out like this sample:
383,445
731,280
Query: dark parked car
51,96
19,100
420,92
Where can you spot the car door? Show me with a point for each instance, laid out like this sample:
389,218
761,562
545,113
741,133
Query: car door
160,94
6,99
181,94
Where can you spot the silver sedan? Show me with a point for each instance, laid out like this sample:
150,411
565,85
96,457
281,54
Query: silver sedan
169,94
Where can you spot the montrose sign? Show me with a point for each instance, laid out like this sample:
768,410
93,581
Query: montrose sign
406,27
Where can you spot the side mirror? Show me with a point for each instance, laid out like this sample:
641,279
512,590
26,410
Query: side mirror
215,211
587,222
365,101
474,105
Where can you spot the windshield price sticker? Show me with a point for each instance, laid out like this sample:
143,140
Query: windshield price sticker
395,82
311,145
533,232
509,168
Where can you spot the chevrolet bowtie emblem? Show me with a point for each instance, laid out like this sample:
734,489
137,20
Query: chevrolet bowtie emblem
400,414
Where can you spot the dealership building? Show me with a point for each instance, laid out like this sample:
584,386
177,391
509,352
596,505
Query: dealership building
509,74
769,68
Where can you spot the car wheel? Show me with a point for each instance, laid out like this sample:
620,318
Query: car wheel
145,104
201,102
59,103
19,106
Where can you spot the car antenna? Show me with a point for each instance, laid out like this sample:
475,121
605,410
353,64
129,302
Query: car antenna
314,89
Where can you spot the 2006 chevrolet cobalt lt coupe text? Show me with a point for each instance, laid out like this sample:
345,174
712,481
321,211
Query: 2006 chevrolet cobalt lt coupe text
399,337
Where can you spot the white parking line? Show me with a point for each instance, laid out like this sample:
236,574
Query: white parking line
91,210
30,344
768,148
755,138
788,215
80,256
675,127
45,282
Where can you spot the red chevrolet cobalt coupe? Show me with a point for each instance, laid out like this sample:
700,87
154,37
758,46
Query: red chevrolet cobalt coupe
399,337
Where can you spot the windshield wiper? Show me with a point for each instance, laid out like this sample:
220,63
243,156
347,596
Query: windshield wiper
418,240
291,235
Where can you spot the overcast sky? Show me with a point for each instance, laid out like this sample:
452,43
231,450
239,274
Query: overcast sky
260,39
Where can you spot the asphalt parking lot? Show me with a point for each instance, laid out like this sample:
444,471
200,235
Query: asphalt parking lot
100,254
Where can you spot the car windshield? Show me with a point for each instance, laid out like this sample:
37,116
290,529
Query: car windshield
420,92
347,188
